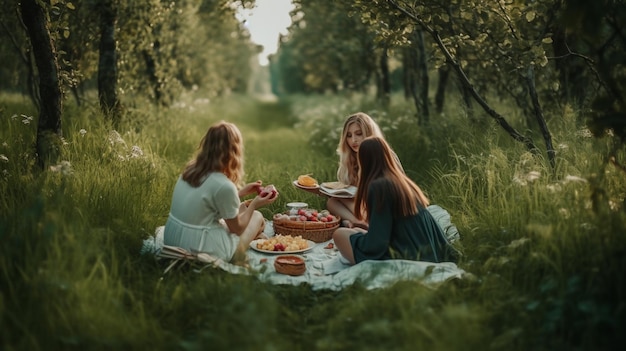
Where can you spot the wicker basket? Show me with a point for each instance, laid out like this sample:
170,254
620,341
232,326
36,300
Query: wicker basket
290,265
318,232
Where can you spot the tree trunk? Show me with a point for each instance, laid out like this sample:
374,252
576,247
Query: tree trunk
152,77
407,72
466,92
410,73
107,64
50,109
417,78
541,121
423,74
440,95
385,83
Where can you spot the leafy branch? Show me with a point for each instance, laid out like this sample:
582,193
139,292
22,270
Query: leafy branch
466,82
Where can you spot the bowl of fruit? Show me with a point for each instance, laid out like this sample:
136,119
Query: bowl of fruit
311,224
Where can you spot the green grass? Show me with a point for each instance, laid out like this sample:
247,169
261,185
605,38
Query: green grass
545,256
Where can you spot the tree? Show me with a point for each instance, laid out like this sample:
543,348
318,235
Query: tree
599,29
330,46
17,73
415,70
502,45
107,64
49,132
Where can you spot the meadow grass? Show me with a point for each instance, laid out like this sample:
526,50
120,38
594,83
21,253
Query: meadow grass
543,248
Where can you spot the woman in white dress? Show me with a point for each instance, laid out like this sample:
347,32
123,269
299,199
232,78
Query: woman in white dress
206,213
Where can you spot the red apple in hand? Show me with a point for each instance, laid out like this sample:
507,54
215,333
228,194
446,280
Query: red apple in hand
270,189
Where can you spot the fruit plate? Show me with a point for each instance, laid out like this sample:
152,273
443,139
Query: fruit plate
254,242
298,185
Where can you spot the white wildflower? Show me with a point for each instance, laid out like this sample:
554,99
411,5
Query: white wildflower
26,119
585,133
533,175
571,178
553,188
63,141
564,212
65,168
3,158
5,144
5,173
14,117
524,179
562,146
614,206
519,181
116,138
518,243
82,132
136,151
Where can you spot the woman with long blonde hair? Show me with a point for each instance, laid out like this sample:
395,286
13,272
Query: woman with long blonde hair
357,127
395,208
206,212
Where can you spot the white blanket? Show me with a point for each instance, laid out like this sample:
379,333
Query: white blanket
325,268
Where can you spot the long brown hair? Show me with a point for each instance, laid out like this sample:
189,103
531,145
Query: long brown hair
378,164
220,150
348,171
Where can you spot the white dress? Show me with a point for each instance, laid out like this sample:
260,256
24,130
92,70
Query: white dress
195,213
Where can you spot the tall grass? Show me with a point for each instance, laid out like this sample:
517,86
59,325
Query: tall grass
543,248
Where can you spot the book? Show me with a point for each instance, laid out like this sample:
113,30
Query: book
176,253
338,189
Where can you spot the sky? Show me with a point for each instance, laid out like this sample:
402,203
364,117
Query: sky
265,22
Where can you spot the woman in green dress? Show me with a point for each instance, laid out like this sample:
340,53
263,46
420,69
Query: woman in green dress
400,227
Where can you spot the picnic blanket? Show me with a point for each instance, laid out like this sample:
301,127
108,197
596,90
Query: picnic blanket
325,268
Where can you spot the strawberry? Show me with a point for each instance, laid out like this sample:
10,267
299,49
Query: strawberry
267,190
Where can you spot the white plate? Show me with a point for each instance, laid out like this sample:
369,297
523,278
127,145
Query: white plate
342,196
253,247
296,184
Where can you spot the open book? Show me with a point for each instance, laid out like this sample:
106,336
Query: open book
338,189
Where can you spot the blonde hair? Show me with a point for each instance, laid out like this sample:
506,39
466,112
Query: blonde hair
348,171
220,150
379,165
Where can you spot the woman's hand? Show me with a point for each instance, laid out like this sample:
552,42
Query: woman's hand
251,188
260,201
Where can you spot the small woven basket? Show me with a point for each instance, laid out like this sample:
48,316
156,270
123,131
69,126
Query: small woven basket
290,265
318,232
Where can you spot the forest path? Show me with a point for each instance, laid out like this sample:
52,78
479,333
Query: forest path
273,114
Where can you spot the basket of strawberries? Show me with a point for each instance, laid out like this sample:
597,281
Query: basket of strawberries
317,226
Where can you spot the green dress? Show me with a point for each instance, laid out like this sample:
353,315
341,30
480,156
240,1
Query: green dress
416,237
